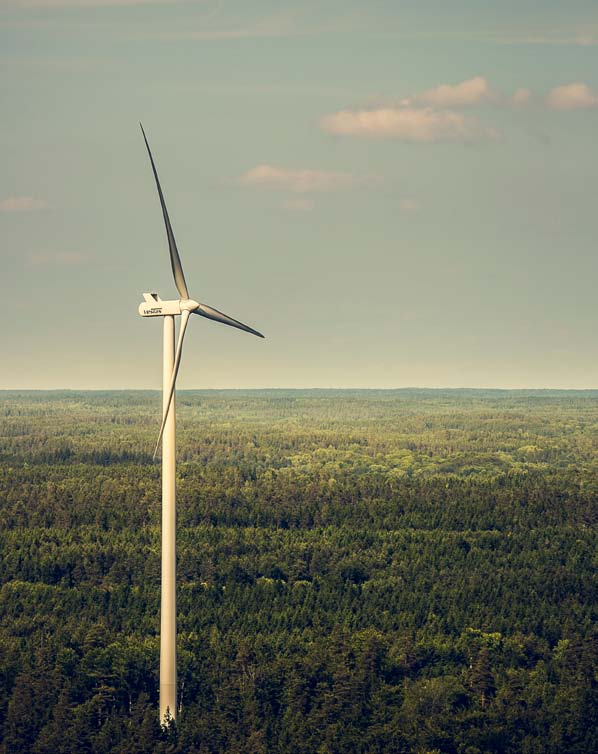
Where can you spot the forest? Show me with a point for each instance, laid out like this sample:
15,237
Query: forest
359,572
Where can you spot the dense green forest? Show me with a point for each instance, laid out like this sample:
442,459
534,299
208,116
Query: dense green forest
360,572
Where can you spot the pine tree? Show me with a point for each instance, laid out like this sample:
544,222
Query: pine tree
481,679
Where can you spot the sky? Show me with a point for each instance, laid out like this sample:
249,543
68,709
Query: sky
395,193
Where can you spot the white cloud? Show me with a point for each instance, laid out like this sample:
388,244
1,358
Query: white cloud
409,206
407,123
22,204
583,37
586,39
83,3
68,258
298,204
215,34
572,97
471,92
278,25
521,96
297,181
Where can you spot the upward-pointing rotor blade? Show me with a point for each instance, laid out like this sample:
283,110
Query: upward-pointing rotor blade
207,311
175,261
175,370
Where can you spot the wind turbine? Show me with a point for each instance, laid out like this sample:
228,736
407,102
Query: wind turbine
153,306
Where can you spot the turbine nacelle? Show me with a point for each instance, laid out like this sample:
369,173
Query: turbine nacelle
153,306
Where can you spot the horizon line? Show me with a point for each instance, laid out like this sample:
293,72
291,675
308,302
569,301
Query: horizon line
298,389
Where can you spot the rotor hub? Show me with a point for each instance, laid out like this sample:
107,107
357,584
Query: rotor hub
188,304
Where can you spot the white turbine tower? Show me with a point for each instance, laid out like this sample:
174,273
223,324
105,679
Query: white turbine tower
153,306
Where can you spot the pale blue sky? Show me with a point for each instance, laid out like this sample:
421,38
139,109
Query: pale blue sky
380,230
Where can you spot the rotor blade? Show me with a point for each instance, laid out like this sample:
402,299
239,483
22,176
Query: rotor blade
175,370
175,261
207,311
